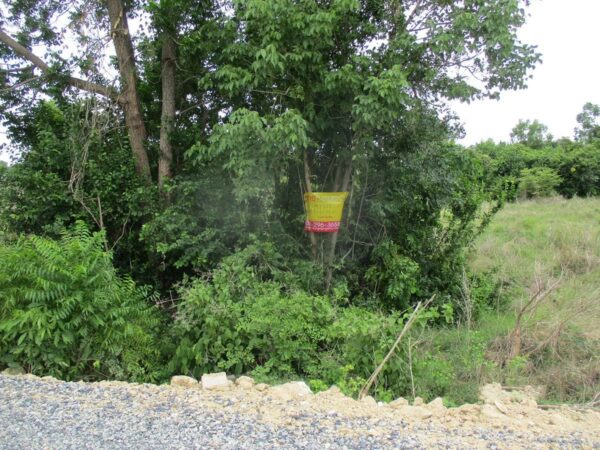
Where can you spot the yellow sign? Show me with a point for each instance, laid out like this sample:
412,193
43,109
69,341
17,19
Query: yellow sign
324,211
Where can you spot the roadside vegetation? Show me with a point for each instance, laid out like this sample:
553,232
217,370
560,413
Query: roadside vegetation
152,224
552,246
549,248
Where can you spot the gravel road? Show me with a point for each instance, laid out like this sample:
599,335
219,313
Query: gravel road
43,413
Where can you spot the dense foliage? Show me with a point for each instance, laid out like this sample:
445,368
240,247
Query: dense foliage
66,313
192,164
253,316
563,167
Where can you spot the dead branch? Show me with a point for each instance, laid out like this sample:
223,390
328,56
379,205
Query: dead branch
577,308
529,308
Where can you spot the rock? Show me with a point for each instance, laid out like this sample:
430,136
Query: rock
231,378
560,421
261,387
437,404
418,401
535,392
13,371
31,376
245,382
184,381
368,400
529,402
466,410
50,379
215,381
491,412
334,390
399,403
415,412
491,392
290,391
500,407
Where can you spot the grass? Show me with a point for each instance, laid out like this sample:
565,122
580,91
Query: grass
546,238
531,244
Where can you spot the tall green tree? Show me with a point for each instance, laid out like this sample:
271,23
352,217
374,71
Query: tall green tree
53,26
325,86
533,134
247,104
589,123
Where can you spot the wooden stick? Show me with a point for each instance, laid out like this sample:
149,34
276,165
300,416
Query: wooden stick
365,390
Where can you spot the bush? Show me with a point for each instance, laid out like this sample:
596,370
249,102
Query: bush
576,163
538,182
359,340
66,313
393,276
67,172
249,316
430,205
579,168
452,363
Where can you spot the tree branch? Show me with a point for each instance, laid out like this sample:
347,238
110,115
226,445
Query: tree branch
85,85
16,69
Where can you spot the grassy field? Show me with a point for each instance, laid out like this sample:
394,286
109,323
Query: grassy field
547,240
548,245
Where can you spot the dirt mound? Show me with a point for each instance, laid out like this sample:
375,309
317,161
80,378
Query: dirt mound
508,418
517,410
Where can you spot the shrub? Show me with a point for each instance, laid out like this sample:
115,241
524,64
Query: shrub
576,163
538,182
252,315
249,316
360,339
286,331
451,363
394,276
66,313
579,168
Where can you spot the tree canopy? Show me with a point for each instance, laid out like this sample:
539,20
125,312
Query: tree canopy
531,133
195,126
588,120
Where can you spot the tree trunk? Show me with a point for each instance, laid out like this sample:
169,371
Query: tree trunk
313,238
167,118
334,236
131,101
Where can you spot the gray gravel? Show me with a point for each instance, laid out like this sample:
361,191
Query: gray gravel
36,414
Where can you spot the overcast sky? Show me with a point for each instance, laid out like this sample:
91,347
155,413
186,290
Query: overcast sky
567,33
568,36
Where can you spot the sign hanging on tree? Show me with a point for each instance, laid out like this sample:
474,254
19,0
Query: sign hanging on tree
324,211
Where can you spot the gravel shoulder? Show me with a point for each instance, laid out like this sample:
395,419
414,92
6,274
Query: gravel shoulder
51,414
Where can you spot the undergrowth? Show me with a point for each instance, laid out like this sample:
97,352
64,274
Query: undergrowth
535,243
65,312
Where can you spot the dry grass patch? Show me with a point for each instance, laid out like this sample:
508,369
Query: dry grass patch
555,339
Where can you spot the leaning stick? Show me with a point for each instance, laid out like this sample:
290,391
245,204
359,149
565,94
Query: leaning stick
365,390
